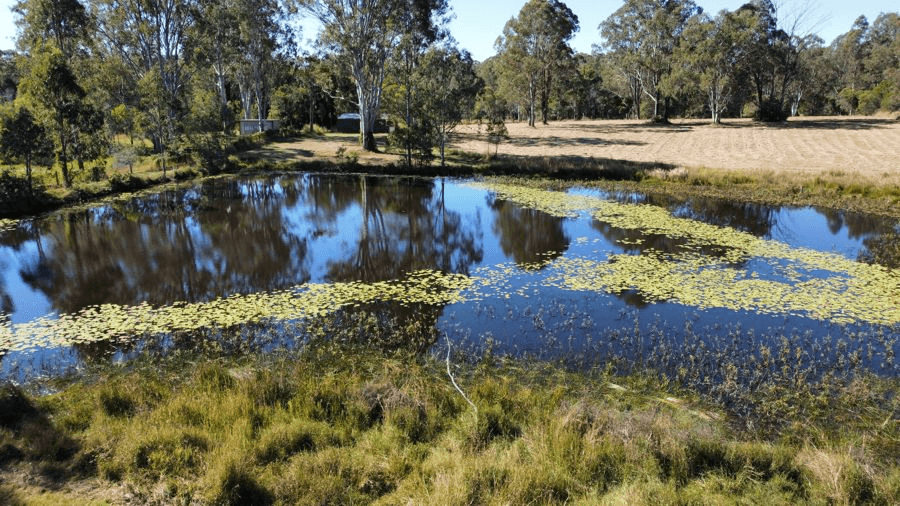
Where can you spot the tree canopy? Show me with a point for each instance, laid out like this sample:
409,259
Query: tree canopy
178,74
533,50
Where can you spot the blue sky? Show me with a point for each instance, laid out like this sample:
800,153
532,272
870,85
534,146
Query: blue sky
478,23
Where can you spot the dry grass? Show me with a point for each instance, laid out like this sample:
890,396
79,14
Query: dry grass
336,427
865,146
333,146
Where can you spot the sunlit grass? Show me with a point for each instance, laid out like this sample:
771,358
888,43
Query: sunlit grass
847,190
345,424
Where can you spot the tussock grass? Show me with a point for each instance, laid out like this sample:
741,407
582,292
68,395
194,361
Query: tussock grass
572,167
837,189
334,424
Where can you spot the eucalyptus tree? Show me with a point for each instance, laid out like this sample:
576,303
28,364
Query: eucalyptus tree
152,39
642,36
216,33
262,36
55,37
711,51
534,47
771,62
65,23
408,97
23,138
811,74
9,76
491,108
868,59
49,86
820,83
621,73
364,35
884,59
448,86
312,92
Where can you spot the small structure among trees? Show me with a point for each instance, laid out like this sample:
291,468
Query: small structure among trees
252,126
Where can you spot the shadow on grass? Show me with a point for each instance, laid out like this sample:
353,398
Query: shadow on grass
861,123
573,167
557,141
29,437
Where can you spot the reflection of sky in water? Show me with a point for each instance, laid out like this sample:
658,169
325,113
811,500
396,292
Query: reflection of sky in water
808,228
336,237
835,232
316,236
28,303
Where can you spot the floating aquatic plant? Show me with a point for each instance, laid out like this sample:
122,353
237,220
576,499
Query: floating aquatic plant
112,321
747,273
800,281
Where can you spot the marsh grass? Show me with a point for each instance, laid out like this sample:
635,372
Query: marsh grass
568,168
342,423
832,189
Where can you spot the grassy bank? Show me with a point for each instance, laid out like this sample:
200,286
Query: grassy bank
338,425
843,189
833,190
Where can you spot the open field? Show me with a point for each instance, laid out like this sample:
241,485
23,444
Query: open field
836,162
868,146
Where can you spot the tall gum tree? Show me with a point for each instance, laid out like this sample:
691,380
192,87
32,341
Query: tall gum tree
642,36
50,88
21,137
54,36
365,35
534,48
152,38
64,22
405,68
262,35
449,87
710,53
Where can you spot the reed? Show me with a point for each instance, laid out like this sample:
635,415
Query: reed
342,422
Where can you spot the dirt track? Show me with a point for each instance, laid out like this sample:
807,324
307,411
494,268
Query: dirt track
869,146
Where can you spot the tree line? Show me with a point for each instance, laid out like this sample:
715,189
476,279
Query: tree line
179,74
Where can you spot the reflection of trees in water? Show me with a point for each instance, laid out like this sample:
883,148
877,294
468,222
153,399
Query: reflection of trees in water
228,237
751,218
755,219
882,249
405,227
26,232
156,250
859,226
527,235
880,236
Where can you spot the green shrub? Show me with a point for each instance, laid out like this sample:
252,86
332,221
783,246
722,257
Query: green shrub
771,111
170,452
270,389
116,403
281,441
126,183
212,377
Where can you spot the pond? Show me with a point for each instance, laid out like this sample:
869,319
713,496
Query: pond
582,276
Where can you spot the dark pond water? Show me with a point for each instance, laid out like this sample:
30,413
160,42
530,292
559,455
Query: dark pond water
262,235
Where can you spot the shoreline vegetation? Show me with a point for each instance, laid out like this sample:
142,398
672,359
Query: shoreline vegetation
334,422
342,423
841,187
